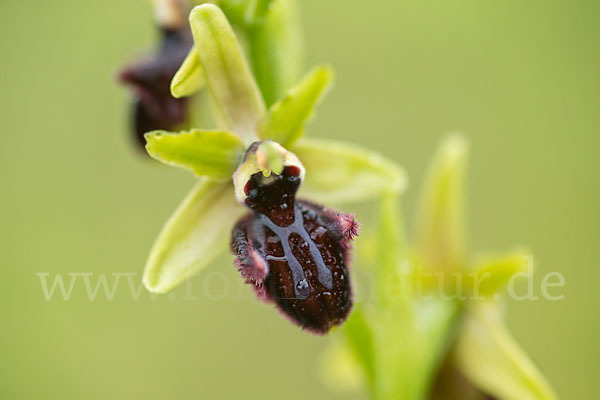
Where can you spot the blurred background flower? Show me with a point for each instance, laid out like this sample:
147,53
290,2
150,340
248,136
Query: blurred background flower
434,328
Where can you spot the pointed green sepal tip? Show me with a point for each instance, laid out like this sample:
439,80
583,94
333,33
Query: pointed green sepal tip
488,355
213,154
193,237
440,223
235,98
489,275
189,78
285,120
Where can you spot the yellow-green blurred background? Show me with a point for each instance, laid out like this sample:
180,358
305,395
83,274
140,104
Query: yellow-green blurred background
521,78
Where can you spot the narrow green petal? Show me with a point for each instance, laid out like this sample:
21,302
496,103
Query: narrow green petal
491,274
189,78
440,226
207,153
194,235
235,97
284,123
338,173
487,355
277,49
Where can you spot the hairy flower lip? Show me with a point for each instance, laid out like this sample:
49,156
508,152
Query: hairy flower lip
304,300
295,252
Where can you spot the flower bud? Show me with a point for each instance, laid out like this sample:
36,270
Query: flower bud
154,107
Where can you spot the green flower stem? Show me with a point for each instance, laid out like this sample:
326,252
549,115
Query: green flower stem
276,49
256,10
412,335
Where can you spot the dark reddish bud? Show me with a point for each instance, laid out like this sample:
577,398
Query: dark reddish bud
154,107
295,252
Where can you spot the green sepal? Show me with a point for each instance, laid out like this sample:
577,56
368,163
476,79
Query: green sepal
338,173
212,154
189,78
235,97
440,224
194,235
489,357
284,123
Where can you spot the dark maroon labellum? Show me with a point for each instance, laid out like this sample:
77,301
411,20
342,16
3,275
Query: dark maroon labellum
154,107
295,252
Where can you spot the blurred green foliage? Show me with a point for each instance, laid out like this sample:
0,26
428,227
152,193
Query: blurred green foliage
520,78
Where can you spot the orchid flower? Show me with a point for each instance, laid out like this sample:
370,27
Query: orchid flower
294,252
430,335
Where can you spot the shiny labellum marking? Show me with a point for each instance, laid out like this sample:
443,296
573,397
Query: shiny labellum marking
284,234
295,252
